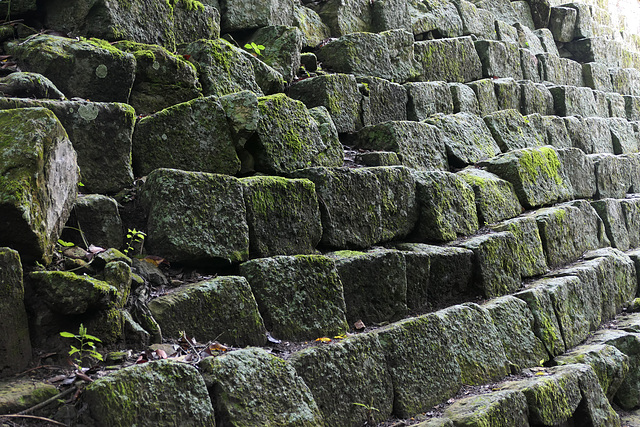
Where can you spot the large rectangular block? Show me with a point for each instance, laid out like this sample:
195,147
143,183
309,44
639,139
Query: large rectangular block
450,60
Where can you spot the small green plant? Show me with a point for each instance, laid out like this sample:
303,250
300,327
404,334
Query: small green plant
134,237
87,347
370,409
256,48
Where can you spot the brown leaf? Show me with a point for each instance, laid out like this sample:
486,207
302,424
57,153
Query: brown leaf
359,325
161,353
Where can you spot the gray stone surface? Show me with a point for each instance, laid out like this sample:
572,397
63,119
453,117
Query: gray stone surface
477,22
590,134
345,18
427,98
613,175
464,99
314,31
98,218
535,98
496,199
610,210
531,256
631,212
486,96
562,23
507,93
29,85
512,131
283,45
579,171
622,136
383,101
449,59
573,101
240,15
545,323
435,18
499,59
596,76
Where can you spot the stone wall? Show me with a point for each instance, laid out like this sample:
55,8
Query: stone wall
444,192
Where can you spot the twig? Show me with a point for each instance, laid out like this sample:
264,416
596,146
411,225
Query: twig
36,368
33,417
47,402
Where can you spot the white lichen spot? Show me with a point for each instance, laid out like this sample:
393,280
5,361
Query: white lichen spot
164,137
88,111
101,71
155,65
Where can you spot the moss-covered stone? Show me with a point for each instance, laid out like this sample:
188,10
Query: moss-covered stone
282,48
466,138
19,394
29,85
38,181
535,98
68,293
531,255
15,346
446,206
417,386
499,59
499,408
610,210
253,387
614,175
86,69
162,78
101,136
242,113
464,99
475,21
515,324
418,144
240,15
579,171
513,131
195,216
222,309
98,218
435,18
449,59
314,31
545,325
573,101
192,136
495,198
427,98
382,100
375,284
486,96
342,375
329,133
300,297
474,343
160,392
615,273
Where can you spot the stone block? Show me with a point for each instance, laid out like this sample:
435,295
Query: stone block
38,181
253,387
596,76
427,98
601,105
632,107
242,16
515,323
435,18
464,99
283,45
590,134
486,96
578,170
501,9
466,137
546,39
534,98
625,81
419,386
476,22
622,136
29,85
585,25
505,32
300,297
616,275
496,199
419,145
383,101
283,216
388,55
512,131
562,23
501,407
616,105
446,206
345,18
333,151
499,59
181,226
222,309
15,345
353,370
98,218
530,253
613,175
527,39
545,323
193,136
595,49
496,267
390,15
507,93
530,66
573,101
556,130
523,11
101,135
314,31
449,59
474,343
631,212
338,93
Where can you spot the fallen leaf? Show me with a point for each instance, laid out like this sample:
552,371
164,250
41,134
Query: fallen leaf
323,339
359,325
161,353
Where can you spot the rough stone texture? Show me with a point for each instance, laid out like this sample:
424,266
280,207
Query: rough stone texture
375,285
192,136
450,272
15,346
288,138
328,133
562,23
555,128
155,393
546,38
535,98
535,174
269,80
591,134
530,66
622,136
529,244
625,81
613,175
87,69
435,17
353,370
283,216
389,15
38,181
383,101
466,137
631,212
241,109
486,95
417,386
478,22
338,93
568,230
194,216
475,343
282,48
495,198
464,99
346,17
499,59
101,136
387,55
418,266
446,206
573,101
610,210
496,266
507,408
596,76
579,171
427,98
515,324
98,218
512,131
615,104
610,365
162,78
300,297
253,387
19,394
450,60
240,15
632,107
314,31
222,309
545,323
222,67
419,145
29,85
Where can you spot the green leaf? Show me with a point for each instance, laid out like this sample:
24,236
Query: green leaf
73,351
66,244
67,335
91,337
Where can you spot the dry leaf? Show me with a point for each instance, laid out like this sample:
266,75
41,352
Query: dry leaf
324,339
359,325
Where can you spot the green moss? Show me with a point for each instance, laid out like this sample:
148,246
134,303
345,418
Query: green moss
540,161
